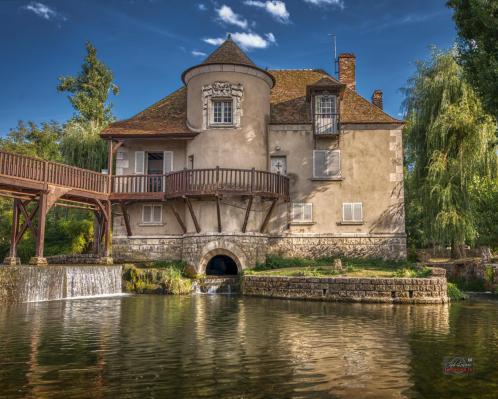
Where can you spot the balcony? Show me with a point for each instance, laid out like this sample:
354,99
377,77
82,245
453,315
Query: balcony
201,183
326,125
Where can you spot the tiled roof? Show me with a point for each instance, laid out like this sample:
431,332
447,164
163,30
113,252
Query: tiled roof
228,53
288,99
288,106
167,117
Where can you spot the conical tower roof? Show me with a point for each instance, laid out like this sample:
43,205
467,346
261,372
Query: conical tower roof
228,53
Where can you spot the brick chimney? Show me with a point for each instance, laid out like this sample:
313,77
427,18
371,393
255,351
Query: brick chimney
377,99
347,70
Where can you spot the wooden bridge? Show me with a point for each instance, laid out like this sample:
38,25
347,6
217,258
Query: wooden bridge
31,180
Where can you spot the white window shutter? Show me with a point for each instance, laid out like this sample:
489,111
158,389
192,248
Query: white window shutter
168,162
296,212
334,163
347,212
358,212
157,214
307,212
319,163
146,214
139,162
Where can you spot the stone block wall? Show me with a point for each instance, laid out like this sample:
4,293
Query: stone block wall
349,289
390,247
136,249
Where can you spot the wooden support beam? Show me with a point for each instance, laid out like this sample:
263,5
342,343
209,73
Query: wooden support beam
28,219
108,230
25,225
116,146
192,214
126,218
248,211
267,217
97,233
42,217
178,219
218,212
15,229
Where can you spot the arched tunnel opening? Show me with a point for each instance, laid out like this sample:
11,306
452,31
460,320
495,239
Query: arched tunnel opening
221,265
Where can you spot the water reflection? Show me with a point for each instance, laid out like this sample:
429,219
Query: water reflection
226,346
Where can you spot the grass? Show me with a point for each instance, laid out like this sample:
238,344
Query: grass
454,293
323,267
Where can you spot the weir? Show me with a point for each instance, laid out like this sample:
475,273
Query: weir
36,284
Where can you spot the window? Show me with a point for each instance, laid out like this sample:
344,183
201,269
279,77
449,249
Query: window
301,212
278,164
222,112
191,161
325,114
152,214
352,212
326,164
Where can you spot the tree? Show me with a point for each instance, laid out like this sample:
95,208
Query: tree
90,89
449,141
33,140
477,24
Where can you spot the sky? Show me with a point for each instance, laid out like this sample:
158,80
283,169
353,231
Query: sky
149,43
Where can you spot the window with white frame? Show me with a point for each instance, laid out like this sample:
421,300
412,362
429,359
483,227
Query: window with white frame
325,114
326,164
222,112
152,214
302,212
352,212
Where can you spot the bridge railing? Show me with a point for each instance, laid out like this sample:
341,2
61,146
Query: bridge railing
38,170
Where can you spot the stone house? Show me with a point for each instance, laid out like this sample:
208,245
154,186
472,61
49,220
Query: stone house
243,162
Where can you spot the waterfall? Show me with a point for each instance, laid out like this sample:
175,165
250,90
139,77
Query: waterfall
217,285
47,283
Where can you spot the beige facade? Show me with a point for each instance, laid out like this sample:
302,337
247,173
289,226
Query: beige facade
353,205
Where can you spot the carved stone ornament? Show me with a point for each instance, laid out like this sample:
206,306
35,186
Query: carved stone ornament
221,90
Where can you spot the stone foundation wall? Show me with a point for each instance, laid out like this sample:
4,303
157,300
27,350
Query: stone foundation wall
390,247
349,289
77,259
252,248
136,249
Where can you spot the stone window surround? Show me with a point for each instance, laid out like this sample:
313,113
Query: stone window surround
151,223
352,222
300,222
221,90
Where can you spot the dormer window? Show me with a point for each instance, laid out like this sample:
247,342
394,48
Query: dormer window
325,114
222,112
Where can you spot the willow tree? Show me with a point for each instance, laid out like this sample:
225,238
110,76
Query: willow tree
449,141
89,95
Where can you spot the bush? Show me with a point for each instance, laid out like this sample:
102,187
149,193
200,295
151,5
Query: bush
167,280
454,293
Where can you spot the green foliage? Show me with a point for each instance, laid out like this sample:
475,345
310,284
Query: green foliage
484,192
168,280
470,285
90,89
35,141
454,293
413,272
449,141
82,146
477,24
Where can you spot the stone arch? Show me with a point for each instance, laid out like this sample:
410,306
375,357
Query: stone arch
215,248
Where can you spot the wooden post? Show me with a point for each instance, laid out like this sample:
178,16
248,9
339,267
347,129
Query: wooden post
108,229
126,219
267,217
192,214
110,159
12,259
218,213
178,219
97,227
246,217
38,259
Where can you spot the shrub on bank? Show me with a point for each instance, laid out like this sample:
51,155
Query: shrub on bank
166,280
454,293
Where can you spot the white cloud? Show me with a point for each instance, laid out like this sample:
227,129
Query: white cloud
275,8
247,41
196,53
215,41
201,7
227,15
323,3
44,11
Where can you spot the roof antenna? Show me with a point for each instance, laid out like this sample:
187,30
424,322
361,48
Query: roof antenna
334,42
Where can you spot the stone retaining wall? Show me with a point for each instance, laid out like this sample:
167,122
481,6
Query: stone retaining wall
349,289
78,259
137,249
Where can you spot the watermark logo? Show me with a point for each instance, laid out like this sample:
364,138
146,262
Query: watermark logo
458,365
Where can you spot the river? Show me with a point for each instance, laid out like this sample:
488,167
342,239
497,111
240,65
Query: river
223,346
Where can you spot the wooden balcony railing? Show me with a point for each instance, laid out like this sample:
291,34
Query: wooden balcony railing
38,170
195,182
199,182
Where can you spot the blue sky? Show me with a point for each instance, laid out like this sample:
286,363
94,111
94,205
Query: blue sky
148,43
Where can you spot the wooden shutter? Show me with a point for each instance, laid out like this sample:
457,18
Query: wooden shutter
139,162
358,212
333,163
147,214
347,212
168,162
320,163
